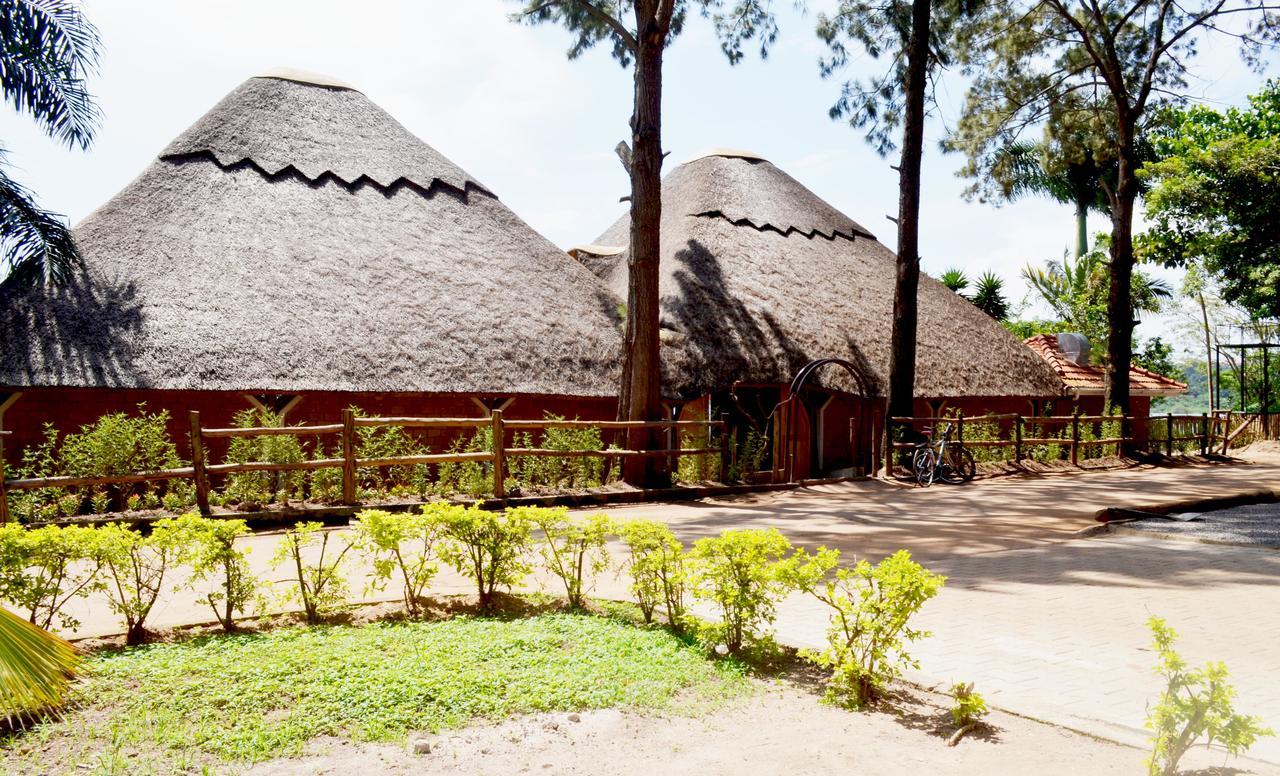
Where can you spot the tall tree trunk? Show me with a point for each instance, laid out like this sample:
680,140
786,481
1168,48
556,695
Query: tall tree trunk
1120,297
640,397
1082,228
902,359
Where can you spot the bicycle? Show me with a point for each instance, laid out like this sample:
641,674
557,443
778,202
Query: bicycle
937,457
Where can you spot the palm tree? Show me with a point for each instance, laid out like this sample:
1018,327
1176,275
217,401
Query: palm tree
1076,291
988,296
1024,171
47,47
36,668
954,279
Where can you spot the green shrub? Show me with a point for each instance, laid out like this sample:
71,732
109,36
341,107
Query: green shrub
118,444
389,442
750,456
135,566
318,583
213,556
739,572
538,471
490,548
470,478
401,544
324,486
572,548
115,444
696,468
45,568
263,487
1195,707
870,628
967,707
657,569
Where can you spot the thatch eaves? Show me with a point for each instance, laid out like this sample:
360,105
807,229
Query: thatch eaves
298,239
759,276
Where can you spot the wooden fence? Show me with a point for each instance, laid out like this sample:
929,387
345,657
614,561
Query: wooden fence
1211,433
200,471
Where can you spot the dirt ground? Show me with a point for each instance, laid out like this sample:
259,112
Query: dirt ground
782,730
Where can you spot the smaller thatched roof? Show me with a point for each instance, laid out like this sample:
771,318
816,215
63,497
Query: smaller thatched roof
759,276
1091,380
298,238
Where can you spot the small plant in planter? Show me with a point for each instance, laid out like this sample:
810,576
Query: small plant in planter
318,584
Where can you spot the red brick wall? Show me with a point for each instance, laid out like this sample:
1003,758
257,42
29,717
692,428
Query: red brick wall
70,408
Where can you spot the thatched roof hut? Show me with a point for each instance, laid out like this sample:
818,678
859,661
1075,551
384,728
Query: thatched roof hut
298,238
761,276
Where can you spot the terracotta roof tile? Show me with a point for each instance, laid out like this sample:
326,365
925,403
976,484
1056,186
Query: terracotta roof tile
1091,379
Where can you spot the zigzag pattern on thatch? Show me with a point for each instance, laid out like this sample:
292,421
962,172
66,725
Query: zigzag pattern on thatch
297,238
744,297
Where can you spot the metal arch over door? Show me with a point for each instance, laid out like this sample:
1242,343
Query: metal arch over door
787,410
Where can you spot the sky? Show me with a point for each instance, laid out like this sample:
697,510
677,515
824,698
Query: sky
503,101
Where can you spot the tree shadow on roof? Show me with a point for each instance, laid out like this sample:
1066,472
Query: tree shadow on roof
82,333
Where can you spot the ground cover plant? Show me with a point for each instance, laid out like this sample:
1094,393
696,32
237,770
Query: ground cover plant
250,697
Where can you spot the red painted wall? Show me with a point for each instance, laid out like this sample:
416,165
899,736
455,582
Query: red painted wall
70,408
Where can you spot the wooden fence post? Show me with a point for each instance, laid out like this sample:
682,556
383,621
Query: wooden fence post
1204,433
1075,437
348,457
1226,434
4,494
724,447
960,428
499,456
199,473
1017,438
1168,442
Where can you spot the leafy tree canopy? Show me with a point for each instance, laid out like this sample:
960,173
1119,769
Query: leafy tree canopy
1215,196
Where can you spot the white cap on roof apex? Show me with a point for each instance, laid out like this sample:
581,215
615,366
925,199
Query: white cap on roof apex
732,153
305,77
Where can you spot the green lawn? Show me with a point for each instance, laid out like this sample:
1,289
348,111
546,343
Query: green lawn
246,698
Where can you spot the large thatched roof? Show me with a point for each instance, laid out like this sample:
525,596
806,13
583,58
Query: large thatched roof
298,238
760,276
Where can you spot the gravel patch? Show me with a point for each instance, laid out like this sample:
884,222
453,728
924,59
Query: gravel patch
1256,525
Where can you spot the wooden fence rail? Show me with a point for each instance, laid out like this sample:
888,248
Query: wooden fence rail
1206,434
201,470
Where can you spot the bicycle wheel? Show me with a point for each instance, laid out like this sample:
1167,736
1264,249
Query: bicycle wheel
957,466
924,465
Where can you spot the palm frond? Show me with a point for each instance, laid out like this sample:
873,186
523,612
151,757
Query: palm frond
989,296
954,279
47,48
36,668
35,244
